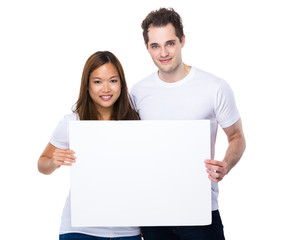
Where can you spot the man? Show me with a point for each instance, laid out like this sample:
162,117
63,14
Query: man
178,92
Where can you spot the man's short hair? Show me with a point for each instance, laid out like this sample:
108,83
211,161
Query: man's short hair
160,18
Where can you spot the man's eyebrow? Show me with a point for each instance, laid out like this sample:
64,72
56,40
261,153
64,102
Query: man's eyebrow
169,41
173,40
153,44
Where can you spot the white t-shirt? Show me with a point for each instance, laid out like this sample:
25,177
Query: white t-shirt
198,96
60,139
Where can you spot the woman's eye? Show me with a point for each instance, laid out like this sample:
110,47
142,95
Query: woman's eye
97,82
114,80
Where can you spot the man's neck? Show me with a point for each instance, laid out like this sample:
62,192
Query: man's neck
178,74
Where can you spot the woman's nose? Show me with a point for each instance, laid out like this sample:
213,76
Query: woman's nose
106,87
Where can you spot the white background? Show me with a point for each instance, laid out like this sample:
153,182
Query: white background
44,46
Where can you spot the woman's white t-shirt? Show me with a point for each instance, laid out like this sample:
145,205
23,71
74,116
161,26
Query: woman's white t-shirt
60,139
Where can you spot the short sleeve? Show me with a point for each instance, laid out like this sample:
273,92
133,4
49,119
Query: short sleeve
133,100
226,110
60,136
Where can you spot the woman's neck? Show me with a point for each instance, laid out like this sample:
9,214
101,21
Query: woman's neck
105,114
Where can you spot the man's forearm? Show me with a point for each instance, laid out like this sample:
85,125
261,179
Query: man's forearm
234,151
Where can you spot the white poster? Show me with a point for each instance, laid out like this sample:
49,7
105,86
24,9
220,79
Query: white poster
140,173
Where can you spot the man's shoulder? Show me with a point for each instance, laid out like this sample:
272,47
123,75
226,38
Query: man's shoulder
207,75
208,78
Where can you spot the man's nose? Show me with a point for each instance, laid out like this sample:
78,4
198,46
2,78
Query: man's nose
164,52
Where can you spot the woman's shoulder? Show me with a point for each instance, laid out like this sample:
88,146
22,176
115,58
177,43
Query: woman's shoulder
60,136
71,116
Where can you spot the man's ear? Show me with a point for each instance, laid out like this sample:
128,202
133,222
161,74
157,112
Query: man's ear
183,40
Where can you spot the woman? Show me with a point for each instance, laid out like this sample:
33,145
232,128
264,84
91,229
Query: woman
103,96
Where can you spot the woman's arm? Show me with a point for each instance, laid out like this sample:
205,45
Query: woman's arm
52,158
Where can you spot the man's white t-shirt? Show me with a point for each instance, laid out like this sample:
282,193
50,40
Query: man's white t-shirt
60,139
198,96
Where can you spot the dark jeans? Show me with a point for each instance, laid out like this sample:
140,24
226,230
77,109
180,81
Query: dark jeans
80,236
209,232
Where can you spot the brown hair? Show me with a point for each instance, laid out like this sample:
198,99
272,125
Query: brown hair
85,107
160,18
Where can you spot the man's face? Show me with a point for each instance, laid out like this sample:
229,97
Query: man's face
165,48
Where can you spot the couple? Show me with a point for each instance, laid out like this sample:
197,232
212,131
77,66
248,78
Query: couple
188,92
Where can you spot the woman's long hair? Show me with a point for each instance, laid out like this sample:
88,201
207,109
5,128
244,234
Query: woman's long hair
85,107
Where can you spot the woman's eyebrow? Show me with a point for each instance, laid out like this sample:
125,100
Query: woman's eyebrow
115,76
95,78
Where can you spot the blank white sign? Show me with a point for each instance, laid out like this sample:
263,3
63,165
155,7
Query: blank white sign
140,173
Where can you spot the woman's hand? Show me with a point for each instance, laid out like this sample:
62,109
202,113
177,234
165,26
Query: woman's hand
63,157
52,158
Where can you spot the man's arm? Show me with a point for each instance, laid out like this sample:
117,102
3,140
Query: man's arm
218,169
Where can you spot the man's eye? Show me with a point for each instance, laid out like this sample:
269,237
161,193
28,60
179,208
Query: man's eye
171,44
154,46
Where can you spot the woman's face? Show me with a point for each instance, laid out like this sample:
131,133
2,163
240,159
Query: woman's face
105,88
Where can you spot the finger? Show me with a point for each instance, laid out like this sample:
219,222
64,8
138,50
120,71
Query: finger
69,151
59,162
215,162
213,173
64,156
66,164
64,159
65,151
219,169
218,166
214,179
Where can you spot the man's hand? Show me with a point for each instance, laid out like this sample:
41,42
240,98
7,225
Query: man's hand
216,169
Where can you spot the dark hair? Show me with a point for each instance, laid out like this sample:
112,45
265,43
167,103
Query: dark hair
85,107
160,18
